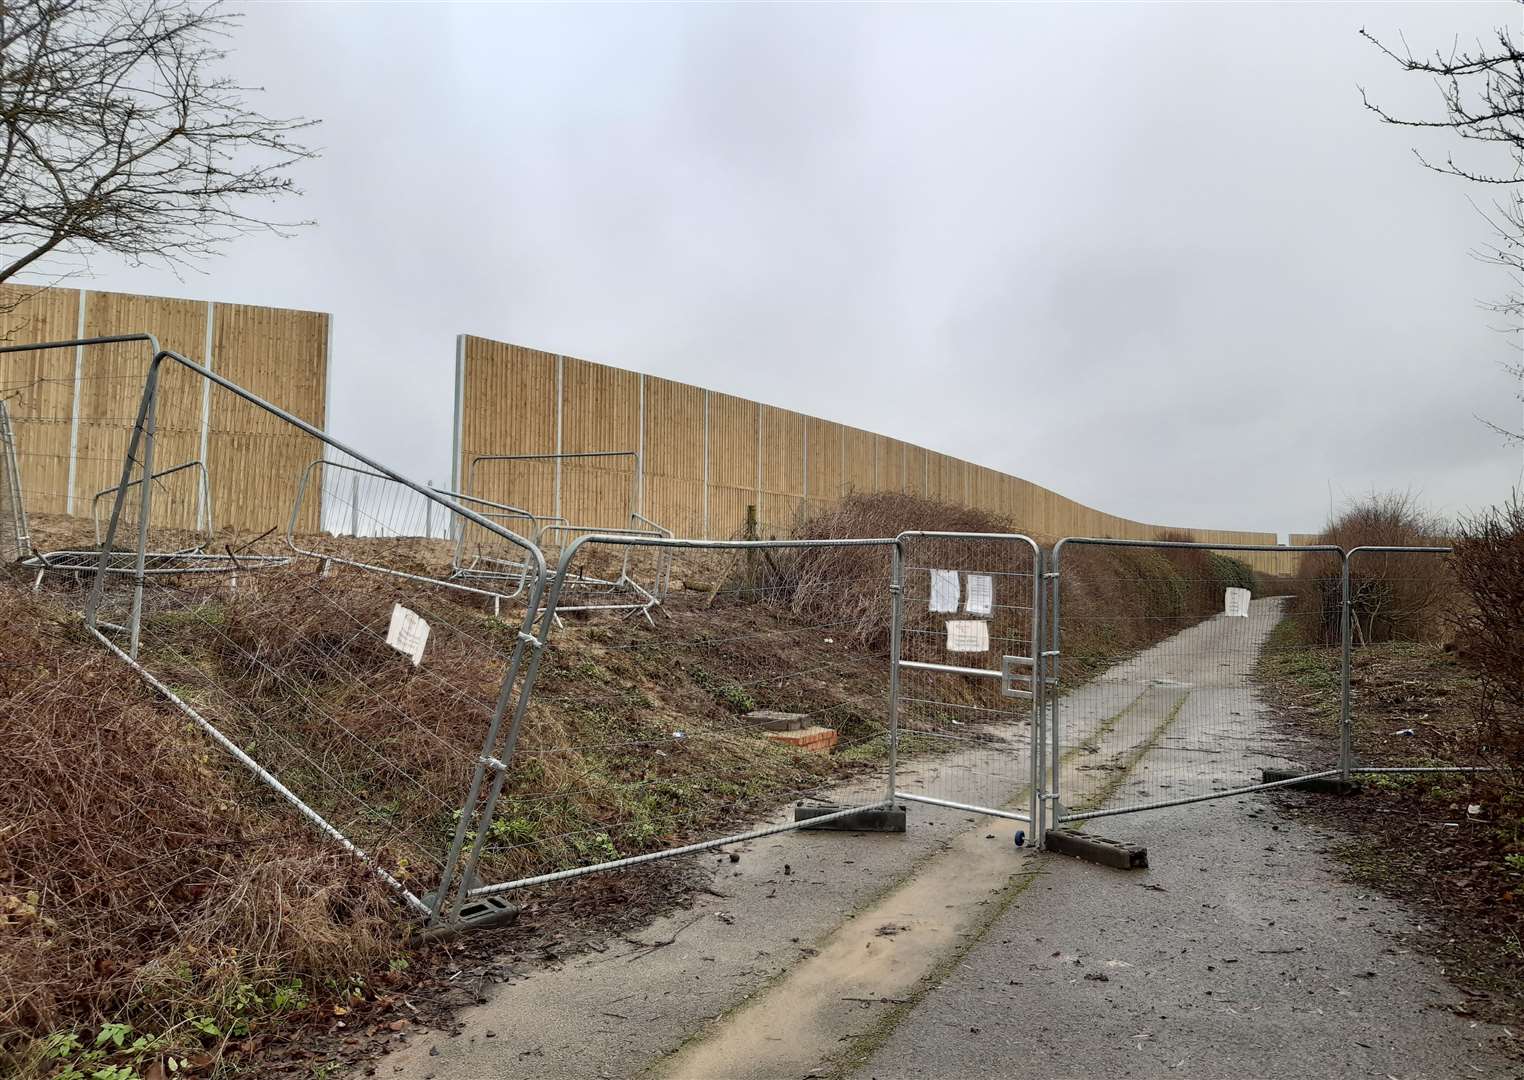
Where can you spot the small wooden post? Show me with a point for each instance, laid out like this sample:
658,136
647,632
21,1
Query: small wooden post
751,553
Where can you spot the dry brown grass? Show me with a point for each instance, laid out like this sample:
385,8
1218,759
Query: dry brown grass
138,881
1115,599
852,583
1394,597
1489,569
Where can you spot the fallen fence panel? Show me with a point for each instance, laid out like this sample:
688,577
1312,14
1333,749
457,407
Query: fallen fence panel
360,686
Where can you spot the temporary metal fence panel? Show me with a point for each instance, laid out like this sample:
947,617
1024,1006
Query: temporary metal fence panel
183,497
351,678
640,746
966,697
379,524
1153,697
554,498
71,409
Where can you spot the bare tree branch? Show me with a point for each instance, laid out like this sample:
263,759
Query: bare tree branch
1481,91
117,134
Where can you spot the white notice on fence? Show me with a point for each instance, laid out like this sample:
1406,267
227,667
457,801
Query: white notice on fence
944,590
981,594
1237,602
408,633
968,635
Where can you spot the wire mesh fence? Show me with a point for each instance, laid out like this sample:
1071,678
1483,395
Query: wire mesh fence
554,499
376,523
646,741
367,648
71,411
967,641
1155,697
350,675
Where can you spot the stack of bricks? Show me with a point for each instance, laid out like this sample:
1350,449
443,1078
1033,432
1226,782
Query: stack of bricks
793,729
816,740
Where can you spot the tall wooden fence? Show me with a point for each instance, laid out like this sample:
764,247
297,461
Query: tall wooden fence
73,409
704,456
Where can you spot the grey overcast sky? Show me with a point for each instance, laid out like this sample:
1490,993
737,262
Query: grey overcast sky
1156,257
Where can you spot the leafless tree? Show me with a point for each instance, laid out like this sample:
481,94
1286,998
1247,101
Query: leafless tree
1481,92
120,135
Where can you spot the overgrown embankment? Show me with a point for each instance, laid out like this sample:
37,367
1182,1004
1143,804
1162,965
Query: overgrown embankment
150,907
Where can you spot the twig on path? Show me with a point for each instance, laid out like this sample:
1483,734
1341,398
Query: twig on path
651,946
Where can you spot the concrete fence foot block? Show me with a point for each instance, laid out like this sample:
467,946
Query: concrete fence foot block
1097,849
1327,785
481,913
887,821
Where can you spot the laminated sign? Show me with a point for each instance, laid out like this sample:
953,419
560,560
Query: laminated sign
408,633
1236,602
944,590
981,594
968,635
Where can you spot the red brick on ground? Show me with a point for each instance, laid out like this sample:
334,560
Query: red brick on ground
817,740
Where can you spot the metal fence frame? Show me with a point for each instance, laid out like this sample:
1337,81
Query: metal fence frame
203,513
554,532
518,681
328,559
1346,767
1006,673
466,894
1054,812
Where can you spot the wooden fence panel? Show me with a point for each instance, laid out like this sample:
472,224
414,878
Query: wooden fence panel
823,448
859,465
256,458
782,469
707,455
75,407
111,391
675,456
732,463
511,409
890,459
917,476
600,412
39,390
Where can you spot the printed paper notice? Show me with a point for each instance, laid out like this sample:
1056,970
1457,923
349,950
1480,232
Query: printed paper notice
981,594
1236,602
408,633
968,635
944,590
